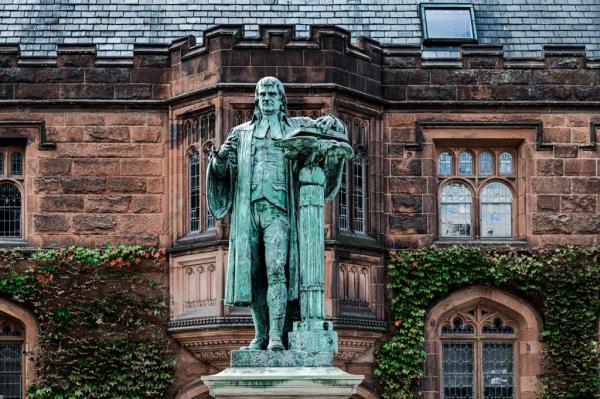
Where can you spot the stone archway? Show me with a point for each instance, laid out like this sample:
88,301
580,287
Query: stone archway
528,348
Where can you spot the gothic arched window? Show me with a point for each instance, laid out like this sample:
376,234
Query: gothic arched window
496,210
455,210
16,164
10,211
198,134
352,196
445,164
506,163
465,164
486,164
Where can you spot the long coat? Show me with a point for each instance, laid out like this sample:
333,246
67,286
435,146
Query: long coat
231,193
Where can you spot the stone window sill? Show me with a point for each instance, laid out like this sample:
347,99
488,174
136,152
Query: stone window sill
484,242
13,243
196,240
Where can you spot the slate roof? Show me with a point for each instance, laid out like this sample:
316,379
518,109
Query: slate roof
522,26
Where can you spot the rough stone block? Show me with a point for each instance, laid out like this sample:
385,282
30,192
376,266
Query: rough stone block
107,203
578,204
587,224
95,167
580,167
145,204
61,203
586,185
407,185
54,167
548,203
118,134
406,203
146,134
141,167
550,185
408,224
566,151
94,223
552,224
107,75
46,184
406,167
50,223
85,119
549,167
87,90
126,185
86,184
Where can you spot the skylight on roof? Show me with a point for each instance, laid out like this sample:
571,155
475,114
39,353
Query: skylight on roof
451,23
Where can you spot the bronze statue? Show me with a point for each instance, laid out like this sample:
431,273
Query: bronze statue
251,177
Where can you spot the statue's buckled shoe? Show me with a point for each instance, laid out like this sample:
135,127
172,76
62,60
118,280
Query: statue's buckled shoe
257,344
275,344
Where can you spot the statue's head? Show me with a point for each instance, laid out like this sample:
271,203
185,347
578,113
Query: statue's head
269,97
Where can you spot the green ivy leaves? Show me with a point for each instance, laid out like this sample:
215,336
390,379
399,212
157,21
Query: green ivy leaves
563,282
101,320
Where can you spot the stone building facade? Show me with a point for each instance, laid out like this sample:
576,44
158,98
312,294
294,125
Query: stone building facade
480,148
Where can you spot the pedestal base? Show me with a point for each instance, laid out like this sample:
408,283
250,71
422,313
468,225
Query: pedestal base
293,358
282,383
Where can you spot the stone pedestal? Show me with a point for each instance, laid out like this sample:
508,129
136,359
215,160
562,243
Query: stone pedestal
282,383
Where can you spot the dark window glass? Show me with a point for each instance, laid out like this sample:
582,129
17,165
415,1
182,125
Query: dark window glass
10,211
194,190
343,201
498,370
10,371
452,23
1,164
210,221
457,370
358,192
16,164
458,327
497,327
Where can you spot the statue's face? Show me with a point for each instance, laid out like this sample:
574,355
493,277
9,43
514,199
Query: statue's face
269,99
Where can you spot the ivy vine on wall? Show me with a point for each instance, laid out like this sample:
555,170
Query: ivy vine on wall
564,284
102,315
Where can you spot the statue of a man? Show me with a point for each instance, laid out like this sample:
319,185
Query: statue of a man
250,177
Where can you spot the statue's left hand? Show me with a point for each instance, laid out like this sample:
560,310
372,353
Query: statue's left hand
325,123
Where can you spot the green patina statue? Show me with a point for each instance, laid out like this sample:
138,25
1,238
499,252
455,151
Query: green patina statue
274,174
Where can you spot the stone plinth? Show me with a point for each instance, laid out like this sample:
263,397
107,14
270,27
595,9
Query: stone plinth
282,383
292,358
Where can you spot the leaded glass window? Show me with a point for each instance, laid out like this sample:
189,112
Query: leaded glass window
1,164
16,164
465,164
457,370
210,221
455,210
486,164
506,163
445,164
351,209
358,191
10,211
10,370
496,210
498,370
194,190
473,351
343,201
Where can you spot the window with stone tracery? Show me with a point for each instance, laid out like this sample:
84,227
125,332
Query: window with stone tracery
11,359
477,354
352,196
477,191
12,169
198,134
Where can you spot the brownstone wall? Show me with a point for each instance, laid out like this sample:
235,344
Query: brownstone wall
103,182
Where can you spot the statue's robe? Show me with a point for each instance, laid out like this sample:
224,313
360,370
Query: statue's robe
231,193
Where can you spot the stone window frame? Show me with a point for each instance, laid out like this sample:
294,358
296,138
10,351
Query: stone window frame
476,183
527,338
189,139
17,181
358,132
27,323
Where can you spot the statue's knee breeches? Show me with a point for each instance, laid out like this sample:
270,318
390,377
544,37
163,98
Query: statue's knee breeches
276,250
